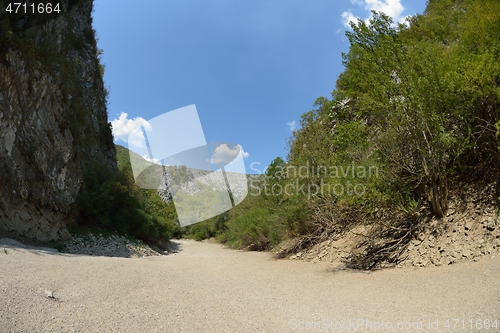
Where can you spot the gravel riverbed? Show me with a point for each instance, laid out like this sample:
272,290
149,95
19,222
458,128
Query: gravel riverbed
205,287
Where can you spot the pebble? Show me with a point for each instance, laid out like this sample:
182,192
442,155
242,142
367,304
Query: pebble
107,246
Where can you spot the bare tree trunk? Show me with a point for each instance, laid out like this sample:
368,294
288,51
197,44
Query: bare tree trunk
438,196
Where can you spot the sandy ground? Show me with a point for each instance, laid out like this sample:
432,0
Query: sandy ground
206,288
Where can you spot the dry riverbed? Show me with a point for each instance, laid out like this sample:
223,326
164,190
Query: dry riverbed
207,288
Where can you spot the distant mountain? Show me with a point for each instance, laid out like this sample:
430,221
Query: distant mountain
179,178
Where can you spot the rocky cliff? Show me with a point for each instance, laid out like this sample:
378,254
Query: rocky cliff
53,118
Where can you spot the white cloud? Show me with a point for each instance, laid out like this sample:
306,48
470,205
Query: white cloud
152,160
392,8
291,125
123,129
347,18
224,154
245,154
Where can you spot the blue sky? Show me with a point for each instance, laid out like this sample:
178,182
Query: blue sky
250,67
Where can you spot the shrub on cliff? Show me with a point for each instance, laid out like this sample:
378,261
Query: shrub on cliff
113,201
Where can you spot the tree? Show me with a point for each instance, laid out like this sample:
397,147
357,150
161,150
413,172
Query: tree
405,89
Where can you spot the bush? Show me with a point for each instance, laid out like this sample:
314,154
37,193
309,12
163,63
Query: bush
256,230
113,202
213,227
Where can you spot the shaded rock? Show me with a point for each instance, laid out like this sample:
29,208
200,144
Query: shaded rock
65,235
53,123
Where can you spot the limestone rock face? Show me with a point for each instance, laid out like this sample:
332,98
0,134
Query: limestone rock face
53,119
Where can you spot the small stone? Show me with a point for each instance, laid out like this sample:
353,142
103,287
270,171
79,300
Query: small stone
65,235
49,294
491,225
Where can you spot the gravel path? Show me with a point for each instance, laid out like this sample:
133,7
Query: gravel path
206,288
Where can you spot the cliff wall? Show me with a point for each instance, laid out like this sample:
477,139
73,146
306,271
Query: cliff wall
53,118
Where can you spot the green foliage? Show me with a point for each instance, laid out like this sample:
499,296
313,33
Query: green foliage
408,98
309,144
416,104
261,220
257,229
113,201
414,88
213,227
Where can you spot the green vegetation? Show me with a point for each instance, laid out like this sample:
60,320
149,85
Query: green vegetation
415,110
114,202
262,220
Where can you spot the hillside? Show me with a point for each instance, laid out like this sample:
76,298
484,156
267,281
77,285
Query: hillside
401,163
